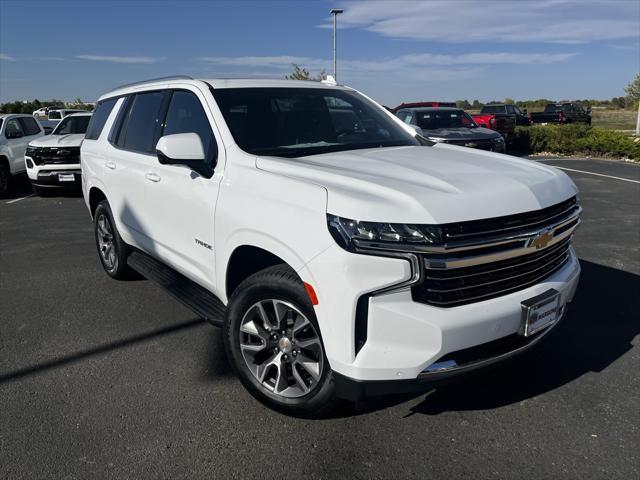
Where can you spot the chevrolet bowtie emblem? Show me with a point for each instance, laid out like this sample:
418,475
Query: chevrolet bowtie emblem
541,240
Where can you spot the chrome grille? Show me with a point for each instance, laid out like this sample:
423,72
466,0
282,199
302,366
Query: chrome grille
491,258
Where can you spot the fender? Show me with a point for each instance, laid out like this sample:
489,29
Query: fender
255,238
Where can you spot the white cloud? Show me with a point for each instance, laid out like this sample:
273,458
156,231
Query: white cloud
51,59
7,58
402,63
468,21
118,59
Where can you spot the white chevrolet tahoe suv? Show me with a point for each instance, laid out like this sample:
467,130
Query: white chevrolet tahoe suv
53,161
16,131
343,255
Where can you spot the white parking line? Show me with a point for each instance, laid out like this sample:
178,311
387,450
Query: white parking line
21,198
596,174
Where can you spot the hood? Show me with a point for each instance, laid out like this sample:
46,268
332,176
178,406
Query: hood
71,140
434,185
462,133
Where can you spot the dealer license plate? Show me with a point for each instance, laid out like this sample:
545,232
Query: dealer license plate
540,312
66,177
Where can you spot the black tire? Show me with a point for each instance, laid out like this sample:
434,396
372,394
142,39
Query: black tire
282,284
5,181
115,264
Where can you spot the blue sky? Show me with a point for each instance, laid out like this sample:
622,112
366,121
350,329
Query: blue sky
394,51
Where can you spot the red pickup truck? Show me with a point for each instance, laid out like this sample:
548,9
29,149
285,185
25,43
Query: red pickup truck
502,123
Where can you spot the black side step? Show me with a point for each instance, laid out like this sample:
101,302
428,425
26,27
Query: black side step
192,295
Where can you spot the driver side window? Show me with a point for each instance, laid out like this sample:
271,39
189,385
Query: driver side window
186,115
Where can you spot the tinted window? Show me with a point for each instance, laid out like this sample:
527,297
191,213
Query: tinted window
142,122
55,115
72,124
436,119
30,126
99,118
13,127
294,122
186,115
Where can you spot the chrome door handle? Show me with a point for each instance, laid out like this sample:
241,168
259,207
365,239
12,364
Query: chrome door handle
153,177
110,165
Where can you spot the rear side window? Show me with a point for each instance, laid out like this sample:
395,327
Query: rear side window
142,122
99,118
29,126
55,115
186,115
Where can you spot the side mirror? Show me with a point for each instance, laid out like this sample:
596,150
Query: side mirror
183,149
13,134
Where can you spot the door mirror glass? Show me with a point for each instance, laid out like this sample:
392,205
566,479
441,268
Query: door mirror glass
183,149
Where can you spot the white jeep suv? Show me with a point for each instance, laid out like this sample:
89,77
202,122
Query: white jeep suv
53,161
343,255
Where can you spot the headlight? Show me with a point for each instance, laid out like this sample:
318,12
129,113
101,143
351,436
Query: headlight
359,236
438,139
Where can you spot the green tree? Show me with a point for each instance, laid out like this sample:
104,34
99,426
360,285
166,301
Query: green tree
300,73
633,89
476,105
509,101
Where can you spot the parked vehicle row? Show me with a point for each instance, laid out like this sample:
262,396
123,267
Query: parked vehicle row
344,254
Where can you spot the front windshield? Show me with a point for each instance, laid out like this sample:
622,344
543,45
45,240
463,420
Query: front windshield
436,119
295,122
72,125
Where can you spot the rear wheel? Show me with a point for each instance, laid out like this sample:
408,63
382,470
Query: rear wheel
112,250
273,341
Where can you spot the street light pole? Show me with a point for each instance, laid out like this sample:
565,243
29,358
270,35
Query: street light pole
335,12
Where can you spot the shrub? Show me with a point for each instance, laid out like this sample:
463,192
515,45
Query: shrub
574,139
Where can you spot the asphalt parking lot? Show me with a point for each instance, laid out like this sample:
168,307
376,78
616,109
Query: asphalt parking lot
100,378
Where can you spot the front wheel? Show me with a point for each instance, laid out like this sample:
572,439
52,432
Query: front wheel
273,341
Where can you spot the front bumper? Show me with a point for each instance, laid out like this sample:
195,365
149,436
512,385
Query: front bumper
440,373
47,176
406,338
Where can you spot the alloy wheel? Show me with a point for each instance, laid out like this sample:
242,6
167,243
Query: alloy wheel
281,348
106,241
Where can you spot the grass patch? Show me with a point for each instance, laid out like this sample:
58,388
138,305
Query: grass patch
615,119
575,139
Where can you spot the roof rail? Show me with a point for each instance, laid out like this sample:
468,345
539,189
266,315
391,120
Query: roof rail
142,82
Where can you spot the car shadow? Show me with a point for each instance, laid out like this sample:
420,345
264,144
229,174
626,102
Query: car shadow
106,348
599,328
19,187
